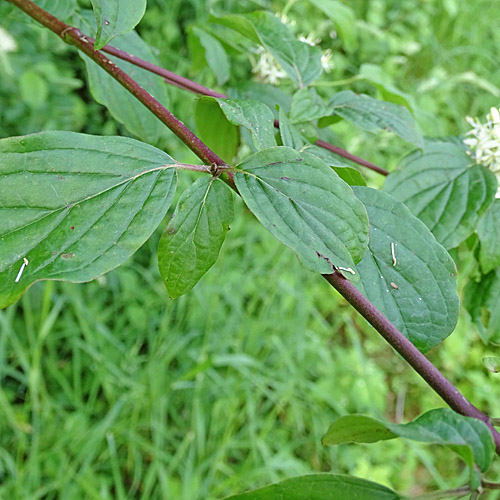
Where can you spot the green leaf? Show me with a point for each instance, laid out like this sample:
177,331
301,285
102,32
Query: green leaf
215,130
123,106
116,17
190,245
406,273
240,23
371,114
254,116
76,206
307,105
374,74
481,299
215,55
62,9
350,175
264,92
290,136
305,204
321,487
301,62
343,18
467,436
357,429
440,188
488,231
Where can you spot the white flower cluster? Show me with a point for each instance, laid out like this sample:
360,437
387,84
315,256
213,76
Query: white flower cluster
267,67
484,140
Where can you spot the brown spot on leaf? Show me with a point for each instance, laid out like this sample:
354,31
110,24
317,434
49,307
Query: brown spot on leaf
286,179
67,256
321,256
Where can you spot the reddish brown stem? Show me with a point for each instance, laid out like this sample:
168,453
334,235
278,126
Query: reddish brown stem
349,156
409,352
171,78
75,37
186,84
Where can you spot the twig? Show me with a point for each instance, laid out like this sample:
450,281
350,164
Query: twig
448,392
171,78
487,485
74,36
349,156
186,84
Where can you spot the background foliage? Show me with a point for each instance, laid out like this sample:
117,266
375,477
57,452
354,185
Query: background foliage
110,390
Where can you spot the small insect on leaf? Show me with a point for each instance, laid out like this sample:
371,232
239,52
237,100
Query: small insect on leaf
394,285
492,363
346,269
20,273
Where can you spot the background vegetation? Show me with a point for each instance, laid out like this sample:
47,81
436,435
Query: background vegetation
111,390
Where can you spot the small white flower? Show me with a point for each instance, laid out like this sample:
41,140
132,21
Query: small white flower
285,19
268,68
7,42
327,60
310,39
484,141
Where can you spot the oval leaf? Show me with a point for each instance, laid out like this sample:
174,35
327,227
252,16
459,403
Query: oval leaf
122,105
191,242
215,55
406,273
302,202
468,436
356,429
307,105
343,18
350,175
289,134
321,487
371,114
116,17
301,61
440,188
215,130
254,116
76,206
488,231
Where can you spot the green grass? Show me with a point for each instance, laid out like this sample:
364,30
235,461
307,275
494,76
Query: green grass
109,390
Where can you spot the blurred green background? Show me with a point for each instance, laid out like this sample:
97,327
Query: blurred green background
109,390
